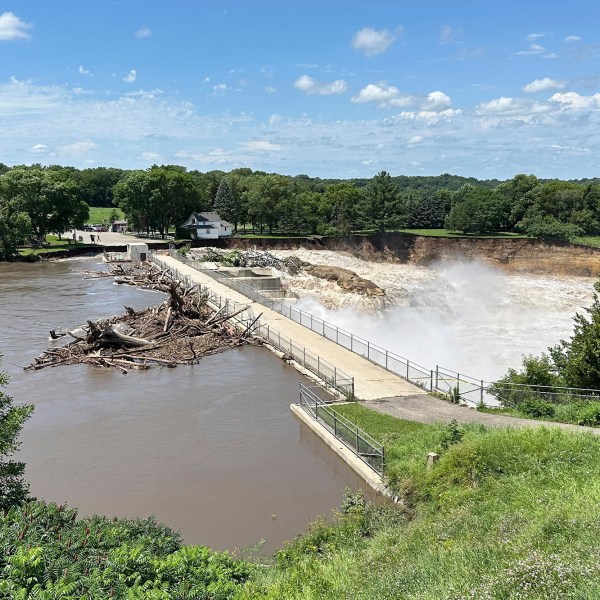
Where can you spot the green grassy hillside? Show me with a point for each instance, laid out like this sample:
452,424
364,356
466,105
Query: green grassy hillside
503,514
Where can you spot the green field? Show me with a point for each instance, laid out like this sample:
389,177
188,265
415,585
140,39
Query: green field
102,215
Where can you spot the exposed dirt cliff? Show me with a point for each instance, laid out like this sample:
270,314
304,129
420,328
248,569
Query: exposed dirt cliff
525,255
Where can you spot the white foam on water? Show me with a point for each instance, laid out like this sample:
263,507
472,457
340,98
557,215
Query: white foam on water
469,317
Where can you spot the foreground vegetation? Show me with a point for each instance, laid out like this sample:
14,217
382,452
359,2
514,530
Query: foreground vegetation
502,514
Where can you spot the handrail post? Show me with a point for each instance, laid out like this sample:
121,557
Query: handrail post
437,377
351,342
431,380
481,395
368,350
407,364
386,359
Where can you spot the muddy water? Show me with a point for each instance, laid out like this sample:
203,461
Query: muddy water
212,450
468,317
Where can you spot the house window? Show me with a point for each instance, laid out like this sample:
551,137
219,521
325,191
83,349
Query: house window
193,221
208,231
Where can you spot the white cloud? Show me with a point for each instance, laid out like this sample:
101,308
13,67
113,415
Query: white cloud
131,76
576,101
573,38
446,35
83,71
386,96
206,80
143,32
535,36
380,93
262,145
146,93
77,148
542,85
415,139
267,71
270,90
13,27
537,50
437,101
153,157
374,41
39,149
220,89
310,85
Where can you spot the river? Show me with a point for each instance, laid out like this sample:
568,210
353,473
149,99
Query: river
211,449
466,316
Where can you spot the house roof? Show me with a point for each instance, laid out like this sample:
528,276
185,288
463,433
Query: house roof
205,217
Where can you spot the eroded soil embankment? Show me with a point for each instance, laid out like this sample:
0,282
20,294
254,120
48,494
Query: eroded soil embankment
524,255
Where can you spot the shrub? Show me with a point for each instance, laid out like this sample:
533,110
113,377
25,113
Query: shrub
589,415
533,407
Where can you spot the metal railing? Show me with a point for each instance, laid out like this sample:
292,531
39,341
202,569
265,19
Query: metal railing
330,374
457,386
357,440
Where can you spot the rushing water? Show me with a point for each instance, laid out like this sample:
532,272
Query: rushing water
468,317
210,449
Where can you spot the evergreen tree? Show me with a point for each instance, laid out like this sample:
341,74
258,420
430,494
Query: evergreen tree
384,204
13,489
227,203
578,360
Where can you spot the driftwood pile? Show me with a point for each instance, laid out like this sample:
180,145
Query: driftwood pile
181,330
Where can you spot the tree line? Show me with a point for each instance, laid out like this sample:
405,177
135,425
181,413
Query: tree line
36,200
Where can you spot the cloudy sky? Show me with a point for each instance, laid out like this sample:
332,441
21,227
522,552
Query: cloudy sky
331,88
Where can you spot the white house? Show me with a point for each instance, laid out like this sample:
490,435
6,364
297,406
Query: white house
207,225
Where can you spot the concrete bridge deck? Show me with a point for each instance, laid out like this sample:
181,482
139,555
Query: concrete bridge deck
371,382
380,389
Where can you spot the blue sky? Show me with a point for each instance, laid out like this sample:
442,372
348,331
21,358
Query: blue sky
329,88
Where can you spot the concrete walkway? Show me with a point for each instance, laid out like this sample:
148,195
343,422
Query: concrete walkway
429,409
380,390
370,381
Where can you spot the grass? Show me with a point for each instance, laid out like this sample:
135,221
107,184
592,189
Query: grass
101,215
593,241
455,234
504,513
576,413
54,245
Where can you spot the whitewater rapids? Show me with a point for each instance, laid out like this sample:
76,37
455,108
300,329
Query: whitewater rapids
468,317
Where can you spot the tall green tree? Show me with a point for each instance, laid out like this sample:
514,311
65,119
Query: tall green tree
157,198
228,202
13,488
578,359
342,201
15,226
385,209
47,196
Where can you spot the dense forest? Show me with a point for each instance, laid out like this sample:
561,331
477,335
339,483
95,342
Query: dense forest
36,200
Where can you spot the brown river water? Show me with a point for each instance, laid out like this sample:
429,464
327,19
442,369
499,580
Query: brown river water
211,449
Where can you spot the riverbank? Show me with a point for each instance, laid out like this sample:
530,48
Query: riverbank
524,255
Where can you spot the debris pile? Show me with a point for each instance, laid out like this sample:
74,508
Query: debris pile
181,330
